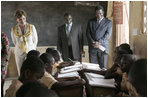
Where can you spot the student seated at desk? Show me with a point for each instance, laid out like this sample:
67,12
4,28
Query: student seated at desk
35,89
33,52
118,52
56,55
49,80
137,76
115,71
136,80
32,69
126,63
58,59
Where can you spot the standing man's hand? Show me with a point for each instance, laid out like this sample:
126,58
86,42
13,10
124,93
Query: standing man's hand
96,44
82,52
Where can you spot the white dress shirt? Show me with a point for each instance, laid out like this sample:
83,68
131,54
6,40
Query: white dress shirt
68,30
100,19
31,40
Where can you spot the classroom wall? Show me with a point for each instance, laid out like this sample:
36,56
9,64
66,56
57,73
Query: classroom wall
112,45
138,41
46,16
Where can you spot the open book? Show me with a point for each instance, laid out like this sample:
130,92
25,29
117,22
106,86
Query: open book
101,47
98,80
70,70
78,67
70,74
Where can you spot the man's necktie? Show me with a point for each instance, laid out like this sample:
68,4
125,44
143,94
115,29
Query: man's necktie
68,30
97,24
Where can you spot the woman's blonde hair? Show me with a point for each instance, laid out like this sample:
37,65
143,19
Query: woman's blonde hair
19,13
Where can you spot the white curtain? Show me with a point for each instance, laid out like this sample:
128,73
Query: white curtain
122,30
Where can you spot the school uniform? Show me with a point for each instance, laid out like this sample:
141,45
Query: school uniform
48,80
11,91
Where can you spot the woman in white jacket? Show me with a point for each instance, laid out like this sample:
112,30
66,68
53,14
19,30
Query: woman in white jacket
24,37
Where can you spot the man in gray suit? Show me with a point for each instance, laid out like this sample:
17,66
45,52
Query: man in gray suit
98,32
70,39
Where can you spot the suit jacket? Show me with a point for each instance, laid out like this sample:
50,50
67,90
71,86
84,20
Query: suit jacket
100,33
76,36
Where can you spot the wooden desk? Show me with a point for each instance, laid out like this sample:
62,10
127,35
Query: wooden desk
70,91
91,90
98,91
94,91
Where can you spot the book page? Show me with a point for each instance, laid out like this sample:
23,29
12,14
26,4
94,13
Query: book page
98,80
74,66
90,64
70,74
101,47
93,75
70,70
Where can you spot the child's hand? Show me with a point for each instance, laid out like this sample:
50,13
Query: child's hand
118,71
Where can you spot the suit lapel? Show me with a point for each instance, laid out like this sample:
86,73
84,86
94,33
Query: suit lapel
95,24
64,31
101,24
72,29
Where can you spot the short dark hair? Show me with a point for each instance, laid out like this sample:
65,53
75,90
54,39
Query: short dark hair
99,7
33,52
130,58
35,89
56,55
33,63
67,14
126,47
118,55
49,50
19,13
138,76
47,58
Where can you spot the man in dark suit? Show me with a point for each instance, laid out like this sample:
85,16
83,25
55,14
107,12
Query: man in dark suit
70,39
98,32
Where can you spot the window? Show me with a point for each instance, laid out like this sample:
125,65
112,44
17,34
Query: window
144,17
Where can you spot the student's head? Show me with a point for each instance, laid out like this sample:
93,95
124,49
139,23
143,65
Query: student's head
126,47
56,54
34,89
48,61
118,55
68,18
49,50
99,11
116,49
33,52
20,16
126,62
32,69
138,76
